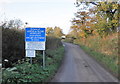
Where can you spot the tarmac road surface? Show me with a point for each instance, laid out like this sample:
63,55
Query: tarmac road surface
77,66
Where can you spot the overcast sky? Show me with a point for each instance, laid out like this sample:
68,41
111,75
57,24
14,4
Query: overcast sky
39,13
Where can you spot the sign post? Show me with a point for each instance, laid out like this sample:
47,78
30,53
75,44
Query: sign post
31,60
35,39
43,59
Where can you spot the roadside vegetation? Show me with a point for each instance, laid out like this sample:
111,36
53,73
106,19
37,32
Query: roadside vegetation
105,50
16,68
23,71
96,31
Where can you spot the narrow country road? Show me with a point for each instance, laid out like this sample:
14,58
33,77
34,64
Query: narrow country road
77,66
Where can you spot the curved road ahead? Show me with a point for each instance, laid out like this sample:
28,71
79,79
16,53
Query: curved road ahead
77,66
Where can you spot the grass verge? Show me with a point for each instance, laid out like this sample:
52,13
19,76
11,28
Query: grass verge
108,62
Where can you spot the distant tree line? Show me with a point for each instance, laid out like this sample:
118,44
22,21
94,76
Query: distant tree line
54,32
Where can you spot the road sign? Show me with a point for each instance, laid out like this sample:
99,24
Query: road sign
35,34
30,53
35,40
35,45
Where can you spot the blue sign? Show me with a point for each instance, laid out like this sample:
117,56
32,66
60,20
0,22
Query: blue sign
35,34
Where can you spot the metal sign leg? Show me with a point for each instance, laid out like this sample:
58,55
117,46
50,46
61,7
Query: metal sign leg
31,60
43,59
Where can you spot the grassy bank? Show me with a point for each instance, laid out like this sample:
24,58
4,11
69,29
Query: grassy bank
105,60
105,50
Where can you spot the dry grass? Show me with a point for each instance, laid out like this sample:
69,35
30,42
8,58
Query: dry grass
107,45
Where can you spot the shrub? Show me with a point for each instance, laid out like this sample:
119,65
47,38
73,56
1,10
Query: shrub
53,43
13,47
